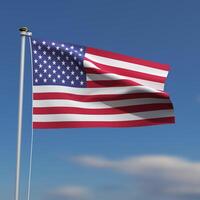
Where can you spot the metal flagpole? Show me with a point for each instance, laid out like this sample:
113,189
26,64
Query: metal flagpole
23,32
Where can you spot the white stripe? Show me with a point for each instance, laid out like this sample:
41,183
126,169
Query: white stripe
99,77
94,91
126,65
95,105
109,76
88,64
118,117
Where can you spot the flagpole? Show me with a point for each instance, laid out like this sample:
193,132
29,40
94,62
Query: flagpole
23,33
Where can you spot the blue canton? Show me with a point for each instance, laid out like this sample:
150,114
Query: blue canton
58,64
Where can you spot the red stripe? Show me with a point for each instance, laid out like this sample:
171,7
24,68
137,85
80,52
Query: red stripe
121,57
93,98
111,83
125,72
86,124
90,70
117,110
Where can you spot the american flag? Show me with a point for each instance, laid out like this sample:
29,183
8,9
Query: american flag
76,86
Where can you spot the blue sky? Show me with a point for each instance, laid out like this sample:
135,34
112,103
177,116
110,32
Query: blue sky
160,162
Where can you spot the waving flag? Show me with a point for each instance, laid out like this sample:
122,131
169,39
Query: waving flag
77,86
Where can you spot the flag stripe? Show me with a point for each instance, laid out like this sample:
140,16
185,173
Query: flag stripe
94,91
111,83
85,124
111,117
94,77
105,73
125,65
125,58
104,68
91,98
97,104
117,110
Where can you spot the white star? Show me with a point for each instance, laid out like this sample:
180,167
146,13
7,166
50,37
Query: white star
54,80
67,77
40,65
75,58
36,80
81,82
49,66
67,58
72,62
44,61
63,62
68,67
72,47
45,80
58,57
48,47
35,61
57,48
40,57
62,53
45,70
81,72
80,54
54,71
76,67
44,52
62,45
49,57
39,47
63,81
72,82
34,42
58,76
40,75
36,70
66,48
44,42
49,75
58,67
53,52
81,49
35,52
72,72
70,52
77,77
63,72
54,62
79,63
53,43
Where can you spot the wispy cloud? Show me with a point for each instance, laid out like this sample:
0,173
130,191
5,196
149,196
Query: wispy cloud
157,176
70,192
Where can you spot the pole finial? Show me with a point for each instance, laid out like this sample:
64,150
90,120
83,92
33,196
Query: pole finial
23,29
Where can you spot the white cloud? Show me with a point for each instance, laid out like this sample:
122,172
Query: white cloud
93,161
72,192
163,175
